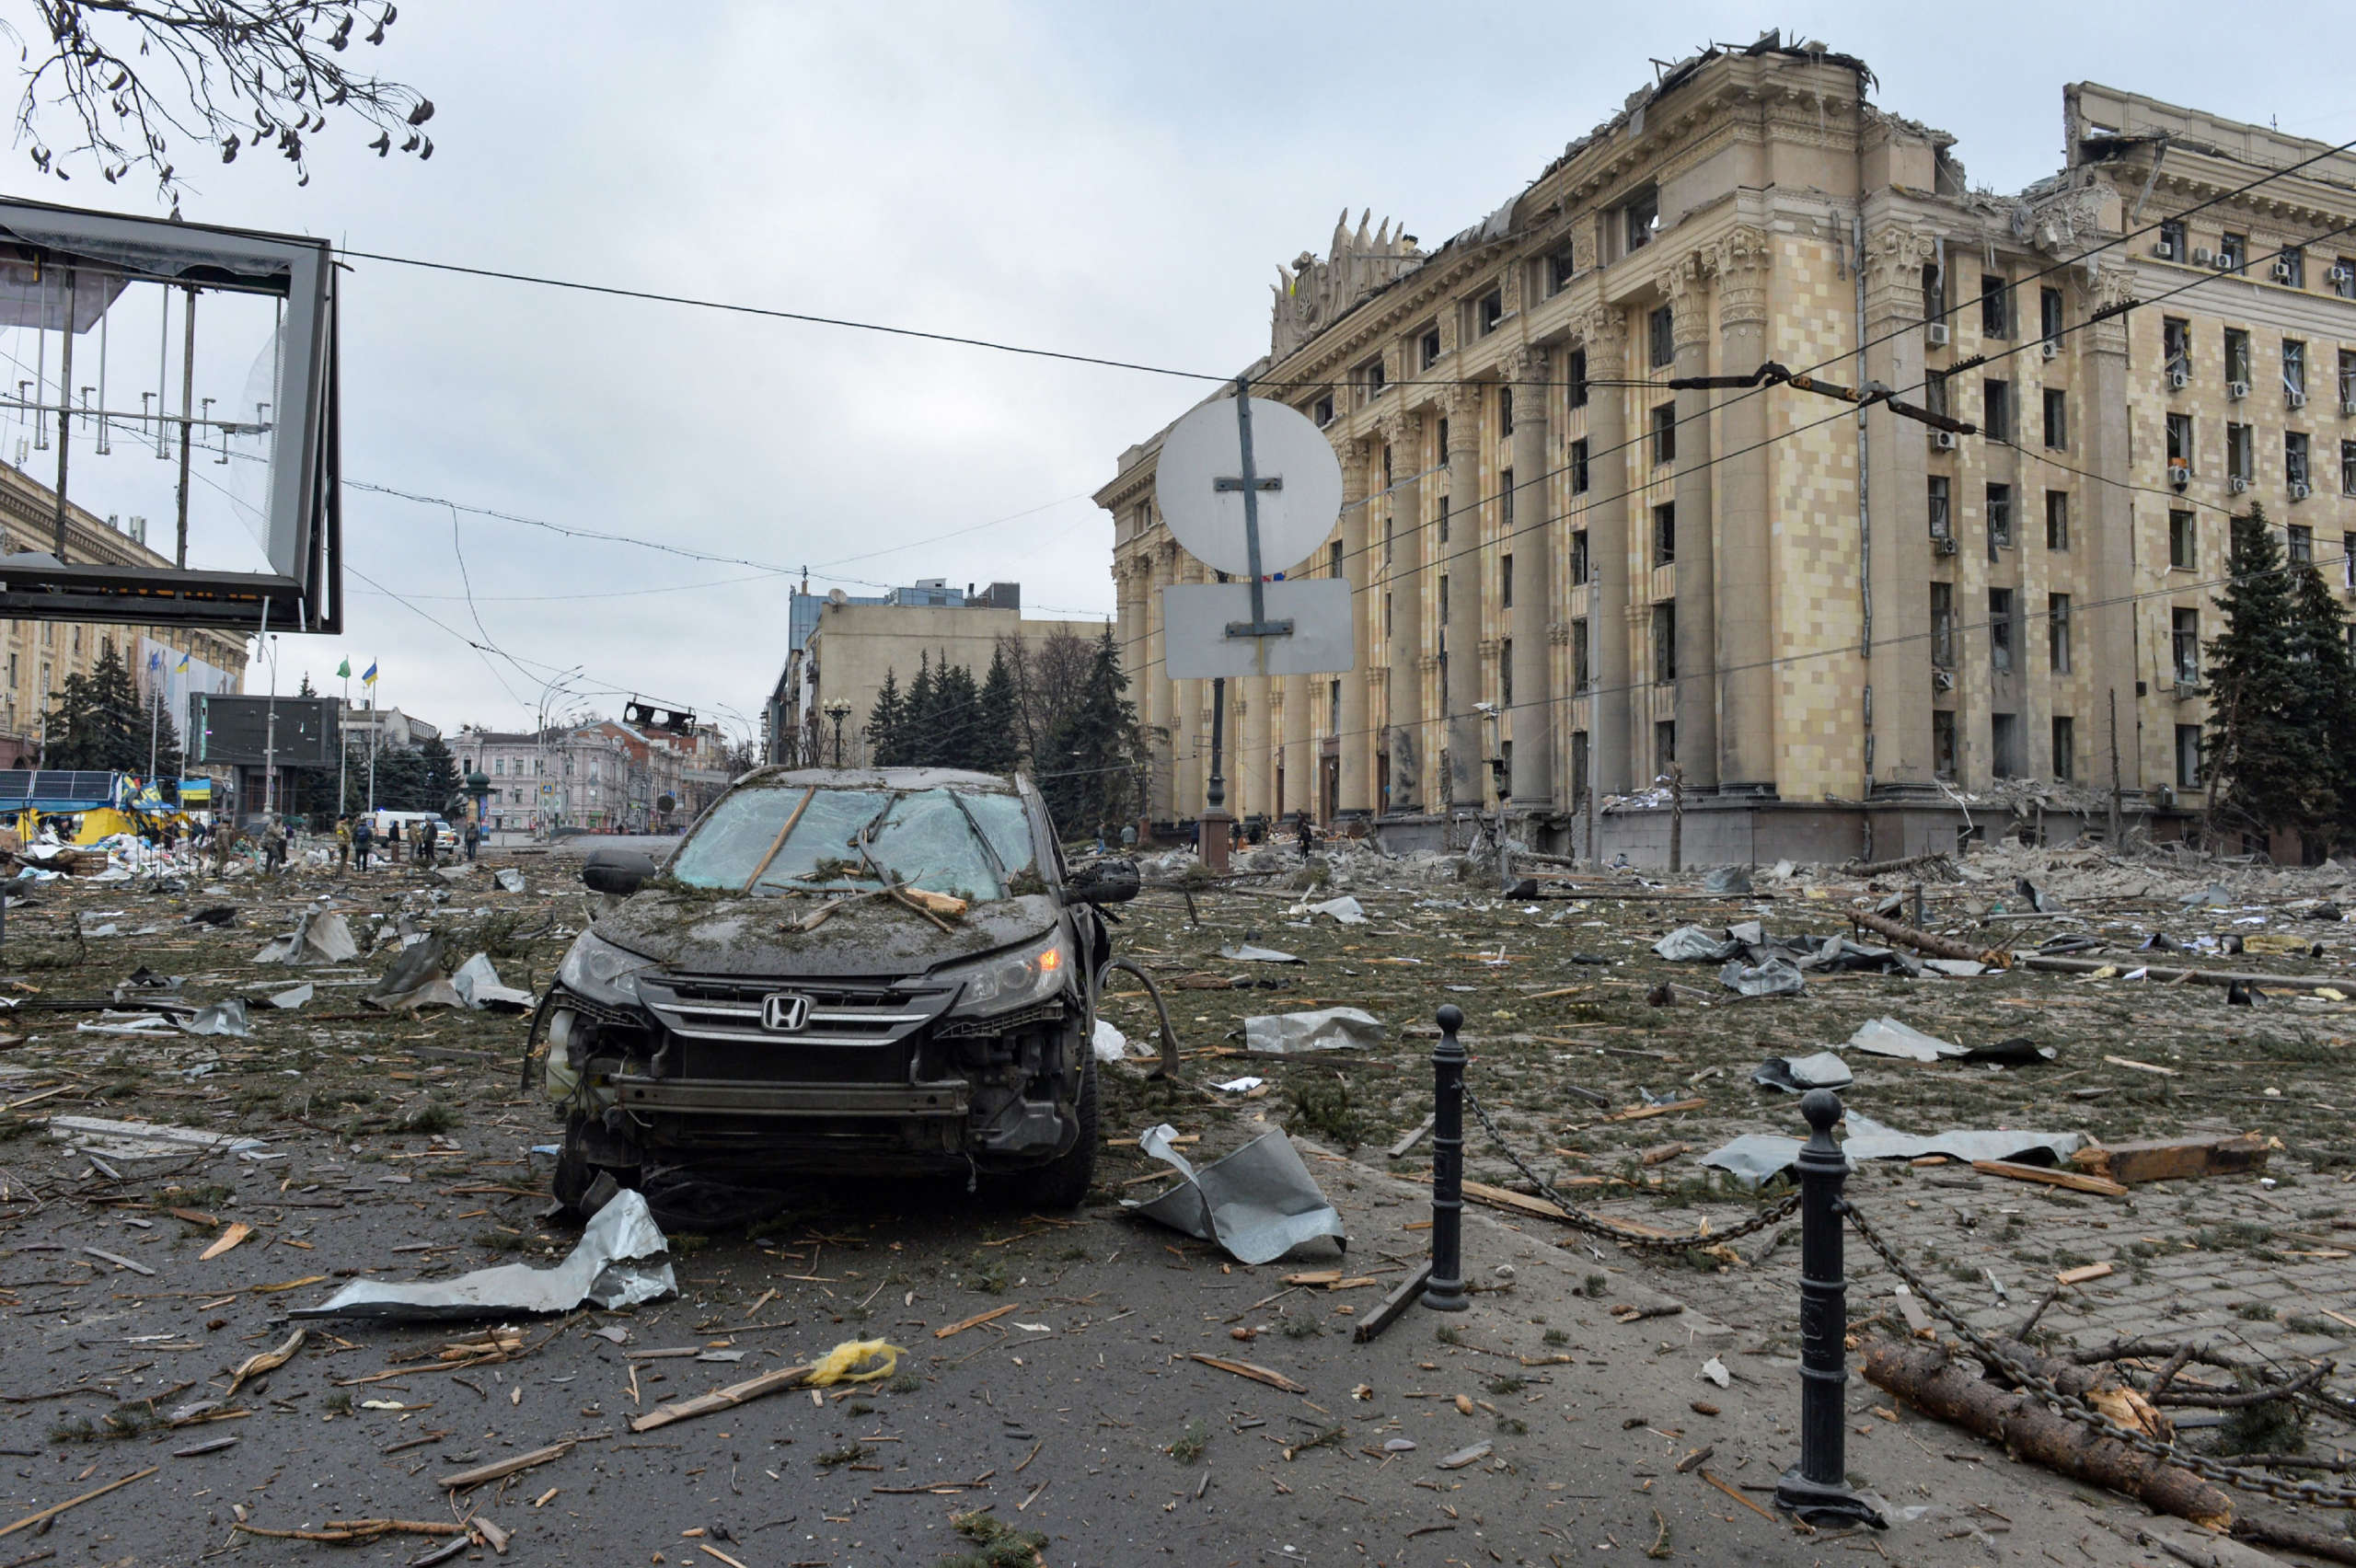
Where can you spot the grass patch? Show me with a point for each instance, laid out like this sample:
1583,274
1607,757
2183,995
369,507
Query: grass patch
1595,1285
848,1454
1300,1328
903,1382
1555,1338
1324,1108
996,1543
428,1117
1508,1383
1188,1446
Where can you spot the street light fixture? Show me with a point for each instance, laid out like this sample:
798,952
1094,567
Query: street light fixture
838,710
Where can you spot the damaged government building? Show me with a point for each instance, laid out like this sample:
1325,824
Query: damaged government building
1849,633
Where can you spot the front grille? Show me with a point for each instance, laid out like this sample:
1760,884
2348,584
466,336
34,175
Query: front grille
700,1009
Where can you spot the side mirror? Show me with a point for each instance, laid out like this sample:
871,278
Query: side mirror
619,872
1103,882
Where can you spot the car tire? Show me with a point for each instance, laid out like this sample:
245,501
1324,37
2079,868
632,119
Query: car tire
575,1175
1063,1183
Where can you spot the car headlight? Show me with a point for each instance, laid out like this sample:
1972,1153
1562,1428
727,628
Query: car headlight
1006,981
599,970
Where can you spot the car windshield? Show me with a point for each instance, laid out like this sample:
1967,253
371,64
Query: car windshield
785,839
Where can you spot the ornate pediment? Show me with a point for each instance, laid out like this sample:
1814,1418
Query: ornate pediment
1313,293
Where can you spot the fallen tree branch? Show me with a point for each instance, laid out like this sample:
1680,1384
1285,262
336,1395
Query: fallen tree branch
1924,942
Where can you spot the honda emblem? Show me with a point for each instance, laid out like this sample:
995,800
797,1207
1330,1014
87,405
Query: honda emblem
785,1011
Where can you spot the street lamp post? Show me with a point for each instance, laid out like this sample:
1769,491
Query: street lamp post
838,710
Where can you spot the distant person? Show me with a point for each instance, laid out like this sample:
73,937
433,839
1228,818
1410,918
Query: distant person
474,840
364,839
273,847
343,842
421,837
1307,838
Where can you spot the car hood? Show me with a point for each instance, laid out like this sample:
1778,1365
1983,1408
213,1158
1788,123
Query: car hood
698,933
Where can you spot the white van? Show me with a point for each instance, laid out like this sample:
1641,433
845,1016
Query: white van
382,822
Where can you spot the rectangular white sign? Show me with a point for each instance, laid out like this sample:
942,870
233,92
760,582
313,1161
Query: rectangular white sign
1195,615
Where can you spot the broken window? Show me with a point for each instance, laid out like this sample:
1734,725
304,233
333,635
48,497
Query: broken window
1505,411
2057,632
1934,392
2000,629
2184,640
2233,252
2003,745
1561,268
2180,429
2237,361
1504,671
1942,523
1504,581
1578,654
1334,708
1665,533
1443,598
2172,246
1490,310
2065,749
1428,347
1443,519
2301,547
1505,502
2056,418
1578,764
2347,381
843,837
1664,435
2291,267
1943,625
2295,371
2343,277
1665,640
2176,348
1577,378
1578,557
1323,411
1578,466
2000,518
1943,743
1370,376
2295,462
1996,410
1996,307
1661,337
2348,467
2056,520
1664,745
2049,315
2241,457
1639,220
2187,756
2183,541
1934,293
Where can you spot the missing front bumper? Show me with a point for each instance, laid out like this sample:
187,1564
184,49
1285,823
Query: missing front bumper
947,1100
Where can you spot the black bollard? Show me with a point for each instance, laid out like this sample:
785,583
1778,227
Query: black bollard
1445,1291
1817,1489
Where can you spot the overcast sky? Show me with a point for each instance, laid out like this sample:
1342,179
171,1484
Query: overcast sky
1111,180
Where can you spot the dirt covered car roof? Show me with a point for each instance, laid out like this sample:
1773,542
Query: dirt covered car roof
878,778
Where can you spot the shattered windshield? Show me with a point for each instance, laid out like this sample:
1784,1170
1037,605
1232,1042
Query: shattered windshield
787,839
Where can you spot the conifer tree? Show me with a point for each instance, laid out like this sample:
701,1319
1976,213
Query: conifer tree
2264,768
884,723
2325,676
918,718
1091,756
997,746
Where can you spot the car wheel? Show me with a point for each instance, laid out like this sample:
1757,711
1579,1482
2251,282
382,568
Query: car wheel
575,1176
1064,1182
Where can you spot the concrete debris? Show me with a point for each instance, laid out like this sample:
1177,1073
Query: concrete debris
1258,1203
1727,880
141,1140
1328,1028
622,1260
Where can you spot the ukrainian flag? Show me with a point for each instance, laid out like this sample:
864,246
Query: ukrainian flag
368,676
184,665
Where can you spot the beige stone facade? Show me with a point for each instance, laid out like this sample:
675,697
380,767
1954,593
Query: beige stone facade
1835,623
37,656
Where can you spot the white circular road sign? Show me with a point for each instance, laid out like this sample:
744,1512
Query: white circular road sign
1300,486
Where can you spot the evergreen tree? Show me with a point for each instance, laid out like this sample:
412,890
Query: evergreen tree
884,723
304,686
998,746
2265,769
2326,675
99,724
920,731
957,729
400,780
1092,757
167,741
441,782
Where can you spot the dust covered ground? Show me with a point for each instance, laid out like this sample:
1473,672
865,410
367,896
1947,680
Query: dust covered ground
1075,1424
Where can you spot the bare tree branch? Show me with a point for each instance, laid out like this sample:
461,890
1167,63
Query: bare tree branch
244,75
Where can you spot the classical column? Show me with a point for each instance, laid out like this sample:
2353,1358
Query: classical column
1403,593
1361,469
1153,686
1614,762
1697,592
1253,776
1531,544
1459,633
1897,532
2110,513
1746,600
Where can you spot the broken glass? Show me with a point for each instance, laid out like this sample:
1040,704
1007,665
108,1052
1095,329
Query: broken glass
844,838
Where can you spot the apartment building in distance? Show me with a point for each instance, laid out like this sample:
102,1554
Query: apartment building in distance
37,656
1838,628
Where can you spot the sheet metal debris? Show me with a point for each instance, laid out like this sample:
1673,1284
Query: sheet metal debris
1726,880
478,985
1327,1029
221,1018
622,1261
1692,944
1797,1075
321,936
1345,909
1756,1157
1777,977
1259,1202
1244,953
141,1140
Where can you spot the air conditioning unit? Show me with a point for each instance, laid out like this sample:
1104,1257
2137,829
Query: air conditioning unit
1936,334
2052,349
2187,689
2179,378
2294,398
1942,679
2222,263
2348,408
2163,796
2179,475
2165,251
1944,440
2341,276
2237,483
2300,491
2281,271
2237,390
1943,544
2200,256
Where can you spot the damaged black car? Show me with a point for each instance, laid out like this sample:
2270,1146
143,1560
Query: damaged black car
838,972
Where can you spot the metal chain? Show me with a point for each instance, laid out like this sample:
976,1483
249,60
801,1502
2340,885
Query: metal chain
2072,1407
1596,1225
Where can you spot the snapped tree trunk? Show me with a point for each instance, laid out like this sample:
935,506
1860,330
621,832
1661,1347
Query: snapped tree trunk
1935,1382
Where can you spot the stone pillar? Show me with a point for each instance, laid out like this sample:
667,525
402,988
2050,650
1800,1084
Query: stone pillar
1532,547
1746,600
1361,470
1615,764
2109,512
1461,633
1253,776
1402,590
1898,662
1153,683
1697,592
